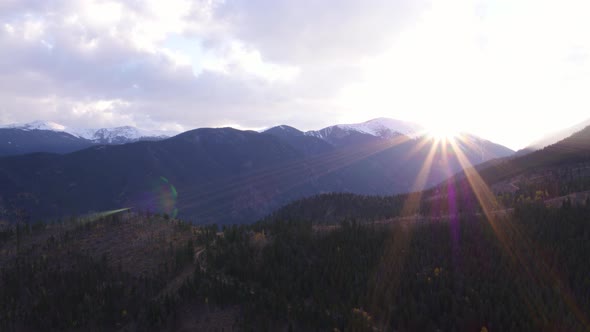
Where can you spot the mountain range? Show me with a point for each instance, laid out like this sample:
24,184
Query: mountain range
224,175
398,257
42,136
556,174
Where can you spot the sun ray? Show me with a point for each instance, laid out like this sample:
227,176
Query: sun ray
423,141
414,198
388,271
516,243
504,231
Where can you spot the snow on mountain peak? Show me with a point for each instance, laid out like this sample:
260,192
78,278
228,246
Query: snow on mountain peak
118,134
384,127
115,135
38,125
380,127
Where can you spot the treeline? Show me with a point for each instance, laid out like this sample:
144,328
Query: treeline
337,207
554,182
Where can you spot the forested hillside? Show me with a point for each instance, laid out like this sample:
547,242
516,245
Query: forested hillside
453,274
525,271
102,275
465,255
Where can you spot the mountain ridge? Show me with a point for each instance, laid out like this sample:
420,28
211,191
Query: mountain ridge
222,175
549,175
380,127
105,135
553,137
52,137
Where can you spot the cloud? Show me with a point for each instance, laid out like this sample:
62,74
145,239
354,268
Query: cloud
178,62
182,64
319,31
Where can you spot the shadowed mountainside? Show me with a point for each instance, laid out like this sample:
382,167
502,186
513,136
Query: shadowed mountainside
222,175
548,174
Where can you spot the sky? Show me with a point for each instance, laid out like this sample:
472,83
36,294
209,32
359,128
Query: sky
507,70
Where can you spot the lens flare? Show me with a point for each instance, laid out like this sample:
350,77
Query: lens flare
517,244
160,196
92,217
167,197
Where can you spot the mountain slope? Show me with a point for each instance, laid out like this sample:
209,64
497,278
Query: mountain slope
369,131
554,137
123,135
51,137
309,145
380,127
16,141
130,272
571,150
552,174
222,175
106,177
559,135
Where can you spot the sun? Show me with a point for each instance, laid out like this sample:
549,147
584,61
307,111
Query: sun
443,132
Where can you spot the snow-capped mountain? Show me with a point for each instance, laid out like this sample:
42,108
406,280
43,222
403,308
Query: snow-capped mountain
47,136
120,135
38,125
380,128
116,135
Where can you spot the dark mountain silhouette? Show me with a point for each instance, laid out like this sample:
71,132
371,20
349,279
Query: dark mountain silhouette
51,137
556,136
222,175
554,173
16,141
309,145
571,150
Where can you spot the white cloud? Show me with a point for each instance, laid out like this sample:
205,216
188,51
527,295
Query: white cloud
310,31
9,28
106,50
237,58
481,65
